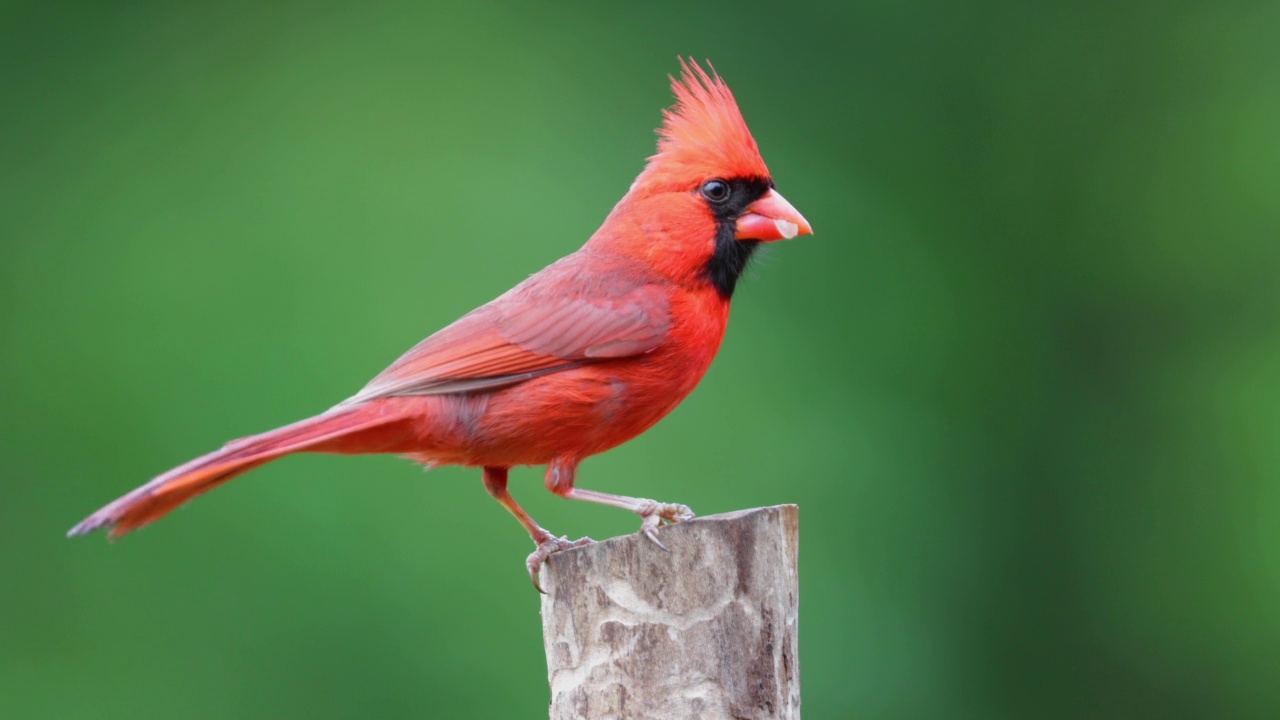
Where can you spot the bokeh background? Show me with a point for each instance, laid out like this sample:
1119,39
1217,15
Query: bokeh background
1024,382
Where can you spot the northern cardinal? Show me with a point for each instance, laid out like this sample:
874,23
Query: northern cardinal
577,359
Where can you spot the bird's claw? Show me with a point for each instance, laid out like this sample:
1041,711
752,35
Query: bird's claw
656,513
546,546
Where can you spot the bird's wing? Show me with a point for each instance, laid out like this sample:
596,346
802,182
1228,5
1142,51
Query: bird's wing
579,310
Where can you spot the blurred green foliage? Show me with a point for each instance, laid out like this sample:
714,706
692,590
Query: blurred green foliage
1024,382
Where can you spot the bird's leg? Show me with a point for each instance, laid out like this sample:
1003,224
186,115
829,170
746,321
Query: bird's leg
652,512
495,482
560,474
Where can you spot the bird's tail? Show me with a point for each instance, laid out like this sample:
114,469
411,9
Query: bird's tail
353,429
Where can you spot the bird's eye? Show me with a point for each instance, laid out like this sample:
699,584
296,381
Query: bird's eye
715,190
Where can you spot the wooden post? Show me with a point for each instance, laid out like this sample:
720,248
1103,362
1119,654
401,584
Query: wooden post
708,630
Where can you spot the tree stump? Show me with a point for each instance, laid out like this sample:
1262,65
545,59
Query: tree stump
708,630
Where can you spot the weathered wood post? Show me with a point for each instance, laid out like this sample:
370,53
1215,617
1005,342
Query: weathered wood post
709,630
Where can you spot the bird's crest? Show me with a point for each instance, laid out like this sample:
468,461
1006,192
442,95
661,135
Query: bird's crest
703,135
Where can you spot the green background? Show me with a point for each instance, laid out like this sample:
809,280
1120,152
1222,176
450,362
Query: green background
1024,381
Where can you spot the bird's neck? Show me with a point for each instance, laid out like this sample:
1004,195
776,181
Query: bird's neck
672,234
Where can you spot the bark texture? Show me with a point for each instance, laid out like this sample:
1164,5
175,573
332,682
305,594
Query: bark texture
708,630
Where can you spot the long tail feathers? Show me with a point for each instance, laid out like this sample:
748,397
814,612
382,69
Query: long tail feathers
361,428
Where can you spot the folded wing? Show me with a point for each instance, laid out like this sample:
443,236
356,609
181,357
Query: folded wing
582,309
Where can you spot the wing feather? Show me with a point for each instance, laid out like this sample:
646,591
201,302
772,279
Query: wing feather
584,308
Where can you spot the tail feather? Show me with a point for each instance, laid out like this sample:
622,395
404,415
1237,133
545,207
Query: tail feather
351,429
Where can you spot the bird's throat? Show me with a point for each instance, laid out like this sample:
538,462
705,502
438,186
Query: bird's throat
729,260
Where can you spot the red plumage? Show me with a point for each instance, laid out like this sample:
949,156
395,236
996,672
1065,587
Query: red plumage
577,359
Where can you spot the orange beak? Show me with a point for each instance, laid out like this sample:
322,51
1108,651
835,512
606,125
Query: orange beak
771,218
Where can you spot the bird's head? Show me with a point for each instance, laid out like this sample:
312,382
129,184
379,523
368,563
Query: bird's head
705,200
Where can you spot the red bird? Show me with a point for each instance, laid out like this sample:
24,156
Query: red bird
579,358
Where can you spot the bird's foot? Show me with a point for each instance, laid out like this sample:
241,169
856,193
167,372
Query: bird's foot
548,544
656,513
